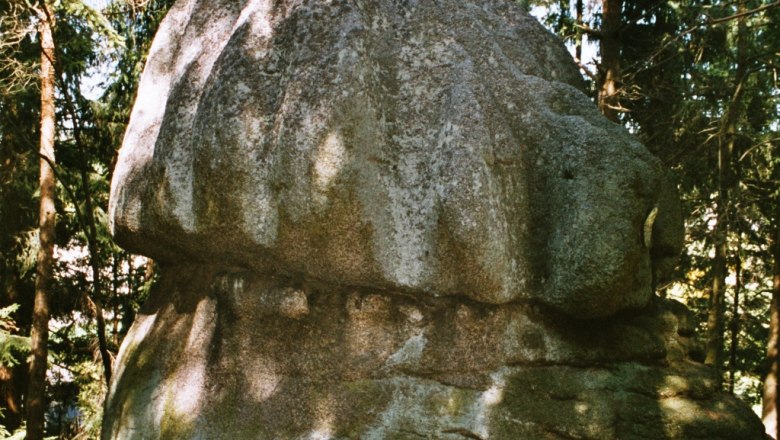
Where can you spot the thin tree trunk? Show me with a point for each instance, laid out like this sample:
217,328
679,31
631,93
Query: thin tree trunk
771,395
609,68
11,398
578,41
734,327
94,260
90,230
563,5
115,299
717,303
717,306
726,181
133,278
36,394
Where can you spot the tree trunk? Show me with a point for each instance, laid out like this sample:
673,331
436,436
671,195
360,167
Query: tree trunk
609,68
717,306
36,394
578,29
115,262
734,327
563,5
726,181
11,397
90,230
771,394
717,303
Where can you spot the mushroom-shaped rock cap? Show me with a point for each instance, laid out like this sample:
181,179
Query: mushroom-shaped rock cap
423,147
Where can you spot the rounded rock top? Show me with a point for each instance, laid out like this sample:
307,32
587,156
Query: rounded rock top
438,148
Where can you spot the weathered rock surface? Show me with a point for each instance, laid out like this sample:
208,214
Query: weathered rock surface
434,148
394,219
220,354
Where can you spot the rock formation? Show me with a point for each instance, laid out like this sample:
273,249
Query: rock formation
390,220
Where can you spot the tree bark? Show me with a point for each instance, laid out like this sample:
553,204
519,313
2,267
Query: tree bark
771,395
36,394
609,67
115,262
717,303
578,29
11,397
717,306
734,327
726,181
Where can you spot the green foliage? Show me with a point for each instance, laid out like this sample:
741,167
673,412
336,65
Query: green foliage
6,320
12,347
89,43
27,244
95,19
90,399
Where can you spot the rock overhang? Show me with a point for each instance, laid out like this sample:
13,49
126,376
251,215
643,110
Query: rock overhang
391,146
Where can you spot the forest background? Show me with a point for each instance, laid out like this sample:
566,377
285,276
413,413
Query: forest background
695,80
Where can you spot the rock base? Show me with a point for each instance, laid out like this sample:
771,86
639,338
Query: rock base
219,353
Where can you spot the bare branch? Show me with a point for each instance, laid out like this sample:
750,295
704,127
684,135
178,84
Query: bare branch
15,25
709,21
766,143
589,30
742,14
585,69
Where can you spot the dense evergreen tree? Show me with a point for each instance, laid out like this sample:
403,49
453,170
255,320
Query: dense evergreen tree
97,286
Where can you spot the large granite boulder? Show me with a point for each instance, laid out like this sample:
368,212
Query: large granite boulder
394,219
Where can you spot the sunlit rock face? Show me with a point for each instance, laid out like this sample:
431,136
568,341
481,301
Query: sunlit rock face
394,219
436,149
